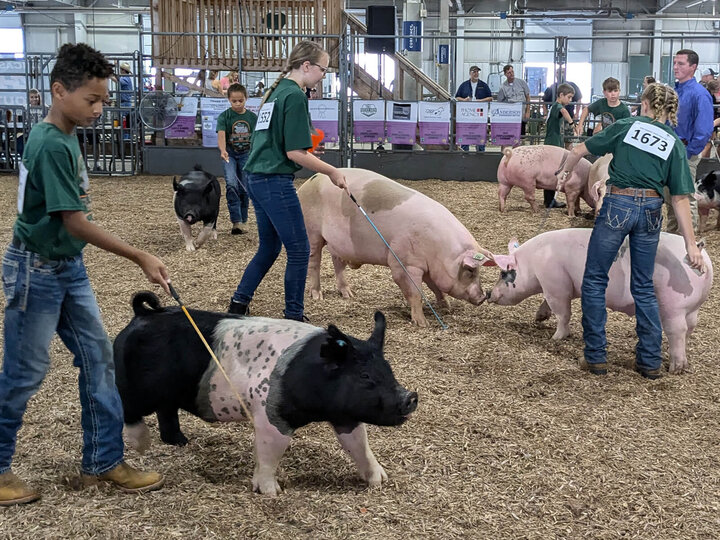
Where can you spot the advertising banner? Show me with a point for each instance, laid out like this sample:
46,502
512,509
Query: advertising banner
434,122
506,123
369,120
184,125
325,115
471,119
401,122
210,109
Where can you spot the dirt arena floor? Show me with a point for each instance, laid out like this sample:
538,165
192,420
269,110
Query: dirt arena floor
510,439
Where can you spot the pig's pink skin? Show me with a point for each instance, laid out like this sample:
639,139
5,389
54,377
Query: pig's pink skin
553,264
597,178
432,244
534,167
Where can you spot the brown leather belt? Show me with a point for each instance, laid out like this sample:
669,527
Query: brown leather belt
634,192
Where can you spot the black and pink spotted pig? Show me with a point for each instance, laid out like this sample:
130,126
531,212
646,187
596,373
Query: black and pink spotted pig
288,373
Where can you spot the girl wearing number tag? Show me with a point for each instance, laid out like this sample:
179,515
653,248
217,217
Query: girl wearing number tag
647,156
278,148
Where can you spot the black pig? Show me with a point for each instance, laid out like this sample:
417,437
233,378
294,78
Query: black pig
197,198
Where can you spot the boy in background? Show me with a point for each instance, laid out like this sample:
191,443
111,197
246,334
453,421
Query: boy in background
609,108
554,131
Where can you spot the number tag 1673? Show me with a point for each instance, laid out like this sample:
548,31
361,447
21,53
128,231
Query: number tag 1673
651,139
264,116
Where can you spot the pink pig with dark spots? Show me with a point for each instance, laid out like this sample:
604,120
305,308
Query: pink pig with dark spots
534,167
287,373
553,263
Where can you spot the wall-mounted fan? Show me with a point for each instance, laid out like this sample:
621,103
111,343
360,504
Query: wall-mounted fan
158,110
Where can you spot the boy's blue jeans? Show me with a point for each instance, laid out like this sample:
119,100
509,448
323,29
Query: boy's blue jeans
41,297
280,223
236,186
640,218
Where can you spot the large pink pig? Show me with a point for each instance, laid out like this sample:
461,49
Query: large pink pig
432,244
553,264
534,167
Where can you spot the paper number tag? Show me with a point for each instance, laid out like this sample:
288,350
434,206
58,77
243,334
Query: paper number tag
264,116
651,139
21,187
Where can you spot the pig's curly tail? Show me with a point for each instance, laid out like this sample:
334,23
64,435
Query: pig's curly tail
508,154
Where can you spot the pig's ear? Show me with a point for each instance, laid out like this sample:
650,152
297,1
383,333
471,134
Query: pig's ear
513,245
336,349
505,262
378,336
176,186
473,259
209,188
198,167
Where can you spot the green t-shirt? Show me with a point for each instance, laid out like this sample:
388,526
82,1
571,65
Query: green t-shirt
52,178
553,133
608,115
641,168
238,128
289,129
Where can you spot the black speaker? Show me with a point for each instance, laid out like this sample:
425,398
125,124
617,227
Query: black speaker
380,21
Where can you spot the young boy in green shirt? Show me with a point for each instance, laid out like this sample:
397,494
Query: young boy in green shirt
609,109
234,128
554,131
47,288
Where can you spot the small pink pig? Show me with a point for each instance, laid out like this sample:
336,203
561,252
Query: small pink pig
534,167
553,264
432,244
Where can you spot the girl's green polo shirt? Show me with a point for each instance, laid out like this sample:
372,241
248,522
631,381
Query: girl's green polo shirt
636,162
289,129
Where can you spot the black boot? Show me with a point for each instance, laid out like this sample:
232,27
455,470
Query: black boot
238,308
303,318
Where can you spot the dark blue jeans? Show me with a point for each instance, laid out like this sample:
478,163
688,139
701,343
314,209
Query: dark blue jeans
236,186
43,297
280,223
640,219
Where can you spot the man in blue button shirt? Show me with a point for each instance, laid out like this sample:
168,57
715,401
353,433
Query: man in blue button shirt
695,120
473,90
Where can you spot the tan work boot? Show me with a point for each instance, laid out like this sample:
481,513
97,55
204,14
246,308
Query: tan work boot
15,491
131,480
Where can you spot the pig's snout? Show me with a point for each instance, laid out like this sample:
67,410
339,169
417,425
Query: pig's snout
408,404
189,218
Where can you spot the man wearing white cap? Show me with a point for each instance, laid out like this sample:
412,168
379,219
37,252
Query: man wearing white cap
707,75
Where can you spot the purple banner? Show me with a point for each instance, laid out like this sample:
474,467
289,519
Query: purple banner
369,131
434,132
401,132
470,133
329,127
182,128
505,134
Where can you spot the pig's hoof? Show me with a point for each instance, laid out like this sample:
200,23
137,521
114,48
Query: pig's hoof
560,334
266,486
176,439
214,235
422,323
316,295
375,477
676,368
190,247
346,292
